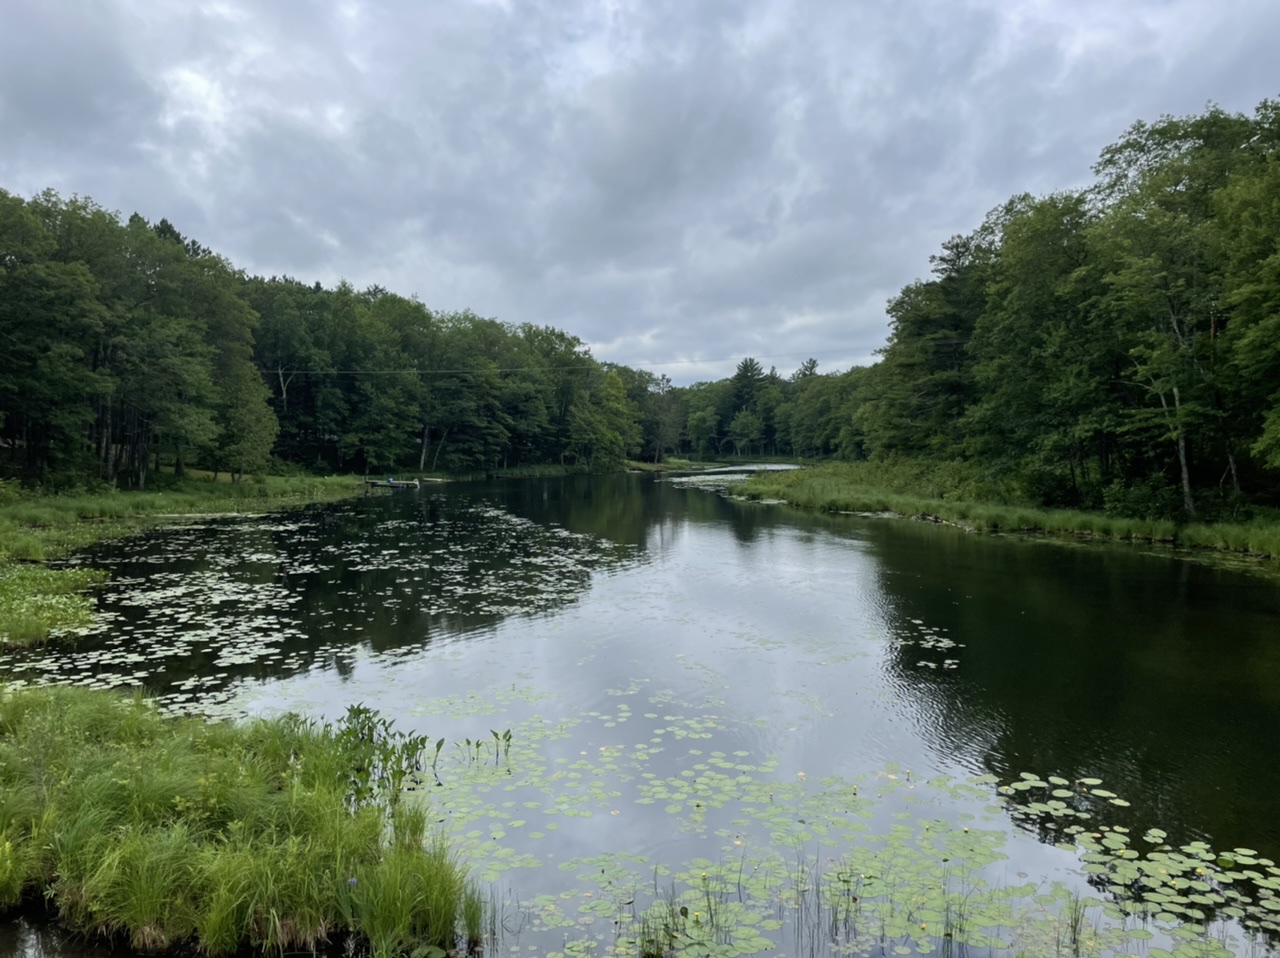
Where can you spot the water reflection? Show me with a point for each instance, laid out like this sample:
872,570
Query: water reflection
1158,675
632,628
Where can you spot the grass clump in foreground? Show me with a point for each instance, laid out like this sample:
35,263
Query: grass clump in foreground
910,490
277,834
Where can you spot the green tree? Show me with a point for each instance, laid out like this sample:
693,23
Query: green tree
604,427
746,431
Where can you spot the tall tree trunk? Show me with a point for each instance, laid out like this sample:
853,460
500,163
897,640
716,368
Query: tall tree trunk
284,391
439,446
117,457
422,457
1188,502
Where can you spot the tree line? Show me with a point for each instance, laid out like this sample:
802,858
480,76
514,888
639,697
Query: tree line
125,342
1116,346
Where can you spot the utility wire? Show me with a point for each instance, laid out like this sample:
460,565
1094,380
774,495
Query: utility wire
512,369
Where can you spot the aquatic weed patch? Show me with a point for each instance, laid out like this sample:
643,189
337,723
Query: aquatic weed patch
1189,887
216,600
37,601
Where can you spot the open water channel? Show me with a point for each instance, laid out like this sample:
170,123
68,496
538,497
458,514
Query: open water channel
818,734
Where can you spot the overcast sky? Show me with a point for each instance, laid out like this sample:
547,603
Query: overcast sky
681,183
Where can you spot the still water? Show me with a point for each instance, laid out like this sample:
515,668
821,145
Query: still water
694,682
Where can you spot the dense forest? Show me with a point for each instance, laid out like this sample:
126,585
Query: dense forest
126,342
1112,347
1115,347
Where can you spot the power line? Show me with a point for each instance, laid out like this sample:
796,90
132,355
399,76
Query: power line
518,369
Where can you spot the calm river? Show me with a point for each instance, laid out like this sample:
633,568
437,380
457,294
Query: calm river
709,697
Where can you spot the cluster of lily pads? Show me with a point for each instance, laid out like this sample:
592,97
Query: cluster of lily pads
880,865
1187,886
193,610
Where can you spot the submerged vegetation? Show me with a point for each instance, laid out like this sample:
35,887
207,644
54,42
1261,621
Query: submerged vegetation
958,494
278,834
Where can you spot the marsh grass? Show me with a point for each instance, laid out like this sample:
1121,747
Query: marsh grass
477,919
164,832
912,491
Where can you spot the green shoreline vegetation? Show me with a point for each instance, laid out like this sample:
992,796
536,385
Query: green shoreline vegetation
36,600
277,834
956,495
1113,350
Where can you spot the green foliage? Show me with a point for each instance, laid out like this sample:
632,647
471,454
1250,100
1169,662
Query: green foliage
35,600
130,343
1113,349
174,832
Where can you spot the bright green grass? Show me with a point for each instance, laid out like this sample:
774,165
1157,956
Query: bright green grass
671,464
165,832
856,487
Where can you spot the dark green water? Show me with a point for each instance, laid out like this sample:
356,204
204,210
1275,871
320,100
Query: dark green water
627,629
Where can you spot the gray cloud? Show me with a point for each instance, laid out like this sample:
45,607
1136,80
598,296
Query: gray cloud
670,181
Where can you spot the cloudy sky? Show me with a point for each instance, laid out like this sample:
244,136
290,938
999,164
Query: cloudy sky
681,183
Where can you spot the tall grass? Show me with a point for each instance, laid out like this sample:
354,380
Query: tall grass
165,833
941,494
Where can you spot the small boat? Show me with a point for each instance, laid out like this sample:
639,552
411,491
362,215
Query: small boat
392,483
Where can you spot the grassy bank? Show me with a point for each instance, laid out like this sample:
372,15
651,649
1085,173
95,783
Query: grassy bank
675,465
38,527
277,834
918,492
35,601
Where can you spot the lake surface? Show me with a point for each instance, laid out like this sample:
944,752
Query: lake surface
699,687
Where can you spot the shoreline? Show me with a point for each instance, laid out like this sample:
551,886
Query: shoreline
38,601
834,490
